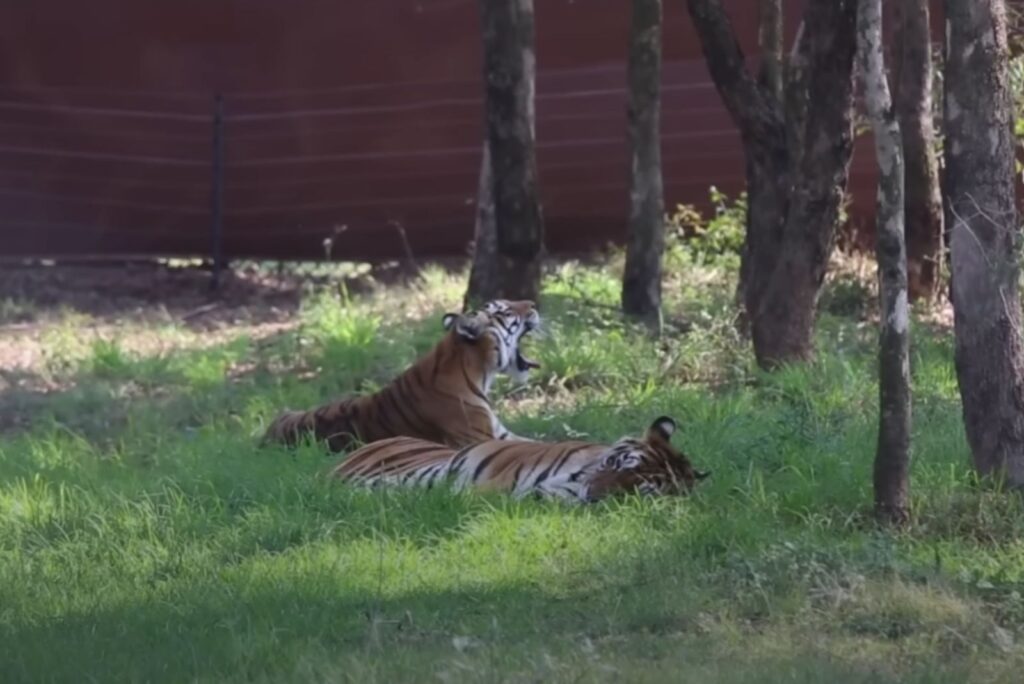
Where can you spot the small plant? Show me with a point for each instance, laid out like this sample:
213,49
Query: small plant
848,296
63,345
343,332
108,360
717,240
14,310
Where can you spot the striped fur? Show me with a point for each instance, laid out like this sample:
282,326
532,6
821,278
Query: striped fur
574,471
441,398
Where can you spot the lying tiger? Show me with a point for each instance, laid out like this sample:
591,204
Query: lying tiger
575,471
441,398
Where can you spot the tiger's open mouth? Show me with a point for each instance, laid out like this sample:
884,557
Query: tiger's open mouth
523,362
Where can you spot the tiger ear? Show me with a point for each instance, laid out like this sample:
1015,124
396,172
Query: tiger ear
466,326
662,428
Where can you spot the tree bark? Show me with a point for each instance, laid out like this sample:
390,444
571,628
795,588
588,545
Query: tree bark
768,189
645,244
485,238
509,66
797,163
985,237
912,85
892,456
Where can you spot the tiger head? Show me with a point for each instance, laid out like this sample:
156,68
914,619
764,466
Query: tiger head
499,327
649,466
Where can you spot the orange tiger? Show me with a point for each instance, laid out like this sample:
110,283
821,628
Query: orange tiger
441,398
575,471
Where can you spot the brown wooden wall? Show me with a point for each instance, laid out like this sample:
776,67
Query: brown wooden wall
338,113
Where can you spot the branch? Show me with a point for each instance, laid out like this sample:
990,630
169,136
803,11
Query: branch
754,113
769,41
405,244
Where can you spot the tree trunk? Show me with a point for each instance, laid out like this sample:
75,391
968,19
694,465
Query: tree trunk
984,236
797,163
641,281
485,238
912,83
761,124
892,457
785,323
508,39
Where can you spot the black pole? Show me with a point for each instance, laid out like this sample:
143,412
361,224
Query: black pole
217,195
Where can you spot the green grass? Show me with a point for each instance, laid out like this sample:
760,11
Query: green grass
143,537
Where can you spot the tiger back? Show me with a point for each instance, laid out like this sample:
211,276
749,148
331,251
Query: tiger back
442,398
572,470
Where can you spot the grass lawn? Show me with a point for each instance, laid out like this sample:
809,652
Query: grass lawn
144,537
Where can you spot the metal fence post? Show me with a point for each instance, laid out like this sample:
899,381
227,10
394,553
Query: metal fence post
217,194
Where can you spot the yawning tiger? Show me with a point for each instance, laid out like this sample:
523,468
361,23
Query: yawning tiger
441,398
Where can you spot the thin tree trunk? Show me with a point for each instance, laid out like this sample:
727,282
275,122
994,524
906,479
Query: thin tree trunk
797,162
485,238
509,65
985,237
892,457
912,83
641,282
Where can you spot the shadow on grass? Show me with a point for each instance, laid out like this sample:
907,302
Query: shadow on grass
314,622
215,633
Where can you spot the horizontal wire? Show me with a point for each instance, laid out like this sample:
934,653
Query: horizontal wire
457,151
135,182
100,156
103,202
319,112
542,121
102,111
67,128
435,104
